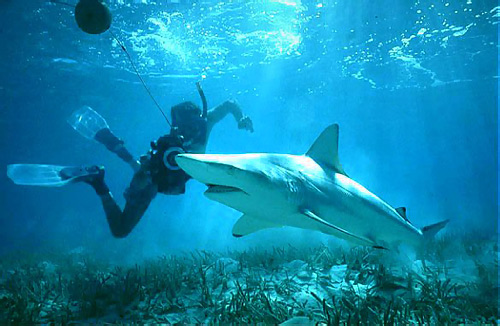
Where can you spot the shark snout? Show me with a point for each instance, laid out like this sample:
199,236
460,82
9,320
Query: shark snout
191,164
206,168
186,160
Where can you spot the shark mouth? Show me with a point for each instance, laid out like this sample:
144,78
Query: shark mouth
219,189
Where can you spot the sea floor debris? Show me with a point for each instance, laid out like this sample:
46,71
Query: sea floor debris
457,283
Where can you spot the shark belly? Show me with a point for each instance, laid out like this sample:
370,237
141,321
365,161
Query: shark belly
383,229
268,208
353,208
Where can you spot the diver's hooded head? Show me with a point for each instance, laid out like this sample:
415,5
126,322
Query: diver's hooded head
188,121
184,112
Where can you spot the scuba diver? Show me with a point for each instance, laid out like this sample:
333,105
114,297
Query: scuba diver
156,172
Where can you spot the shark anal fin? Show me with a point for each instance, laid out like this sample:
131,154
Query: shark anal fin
325,150
248,224
337,231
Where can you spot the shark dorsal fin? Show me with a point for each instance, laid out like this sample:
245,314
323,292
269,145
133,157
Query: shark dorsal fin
402,211
325,149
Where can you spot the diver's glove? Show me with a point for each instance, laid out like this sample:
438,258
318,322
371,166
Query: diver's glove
245,123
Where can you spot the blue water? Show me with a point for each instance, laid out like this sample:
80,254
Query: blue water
412,84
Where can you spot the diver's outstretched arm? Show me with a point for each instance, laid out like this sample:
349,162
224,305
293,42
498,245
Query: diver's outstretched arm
229,107
138,197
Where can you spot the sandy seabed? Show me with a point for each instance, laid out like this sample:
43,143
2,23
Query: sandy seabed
457,282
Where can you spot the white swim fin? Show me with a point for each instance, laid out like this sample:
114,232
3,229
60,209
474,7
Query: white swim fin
49,175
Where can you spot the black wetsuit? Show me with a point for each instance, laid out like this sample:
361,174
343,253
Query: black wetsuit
157,173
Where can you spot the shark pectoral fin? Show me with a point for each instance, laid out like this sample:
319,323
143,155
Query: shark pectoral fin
325,150
248,224
337,231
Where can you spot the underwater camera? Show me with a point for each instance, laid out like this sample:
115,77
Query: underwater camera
169,177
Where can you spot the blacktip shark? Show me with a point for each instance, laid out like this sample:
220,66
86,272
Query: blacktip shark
310,191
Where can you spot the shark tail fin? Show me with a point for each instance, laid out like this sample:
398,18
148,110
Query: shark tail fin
430,231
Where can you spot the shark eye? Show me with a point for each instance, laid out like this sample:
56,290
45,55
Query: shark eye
231,170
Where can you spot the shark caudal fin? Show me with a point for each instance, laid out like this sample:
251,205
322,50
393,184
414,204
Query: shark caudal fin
431,230
325,150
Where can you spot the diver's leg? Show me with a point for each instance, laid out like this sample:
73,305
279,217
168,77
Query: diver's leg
116,145
92,125
138,197
109,204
